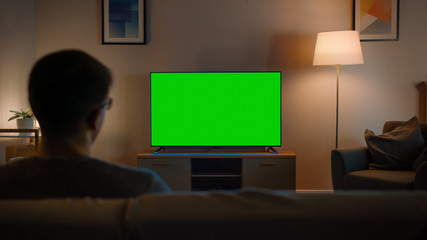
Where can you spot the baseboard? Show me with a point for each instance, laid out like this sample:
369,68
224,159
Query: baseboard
314,191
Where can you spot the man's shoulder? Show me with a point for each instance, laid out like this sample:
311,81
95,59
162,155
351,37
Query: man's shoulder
111,166
80,176
77,165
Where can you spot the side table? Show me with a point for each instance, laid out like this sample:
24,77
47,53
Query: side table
36,132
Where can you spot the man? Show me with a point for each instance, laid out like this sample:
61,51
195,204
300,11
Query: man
68,93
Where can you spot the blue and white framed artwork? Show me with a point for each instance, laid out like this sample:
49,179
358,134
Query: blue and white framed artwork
123,22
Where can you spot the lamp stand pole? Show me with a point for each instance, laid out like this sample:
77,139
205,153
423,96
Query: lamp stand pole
336,120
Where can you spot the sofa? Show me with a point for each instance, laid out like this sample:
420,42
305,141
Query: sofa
245,214
351,171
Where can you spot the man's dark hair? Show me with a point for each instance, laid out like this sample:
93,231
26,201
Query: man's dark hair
65,88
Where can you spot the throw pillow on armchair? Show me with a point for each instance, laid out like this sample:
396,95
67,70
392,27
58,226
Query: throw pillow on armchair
397,149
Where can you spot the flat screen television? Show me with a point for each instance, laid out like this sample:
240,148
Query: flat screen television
215,109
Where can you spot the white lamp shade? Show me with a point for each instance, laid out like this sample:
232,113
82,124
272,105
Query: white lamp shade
338,48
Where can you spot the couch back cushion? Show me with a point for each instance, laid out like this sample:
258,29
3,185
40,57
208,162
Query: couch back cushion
258,215
62,218
220,215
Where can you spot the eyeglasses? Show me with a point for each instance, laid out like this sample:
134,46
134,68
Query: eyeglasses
107,104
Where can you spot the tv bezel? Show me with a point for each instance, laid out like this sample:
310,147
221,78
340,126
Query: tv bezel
217,146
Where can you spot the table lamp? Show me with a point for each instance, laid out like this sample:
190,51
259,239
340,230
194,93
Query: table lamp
335,49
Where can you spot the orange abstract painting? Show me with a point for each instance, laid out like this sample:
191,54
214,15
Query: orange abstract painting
376,19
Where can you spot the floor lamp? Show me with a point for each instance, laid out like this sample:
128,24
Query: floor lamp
335,49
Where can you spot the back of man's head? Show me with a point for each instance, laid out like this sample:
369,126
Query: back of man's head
65,88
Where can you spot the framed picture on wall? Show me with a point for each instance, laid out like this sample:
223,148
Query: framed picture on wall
123,22
377,20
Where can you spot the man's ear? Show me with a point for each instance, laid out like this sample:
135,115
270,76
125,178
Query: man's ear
93,120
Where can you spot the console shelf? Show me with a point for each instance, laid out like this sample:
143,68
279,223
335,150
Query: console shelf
205,171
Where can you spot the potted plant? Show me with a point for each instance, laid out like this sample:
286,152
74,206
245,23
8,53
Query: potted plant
24,119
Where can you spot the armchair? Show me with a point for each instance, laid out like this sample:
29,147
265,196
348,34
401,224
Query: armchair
350,169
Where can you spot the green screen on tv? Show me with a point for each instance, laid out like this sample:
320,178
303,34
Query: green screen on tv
215,109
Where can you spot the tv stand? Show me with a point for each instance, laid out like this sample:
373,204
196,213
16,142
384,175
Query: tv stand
205,171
